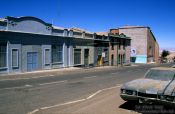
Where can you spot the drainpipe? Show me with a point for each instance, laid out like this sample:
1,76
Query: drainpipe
63,55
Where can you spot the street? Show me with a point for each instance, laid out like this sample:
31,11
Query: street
78,90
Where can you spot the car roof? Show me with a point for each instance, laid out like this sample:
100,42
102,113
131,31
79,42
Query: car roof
164,68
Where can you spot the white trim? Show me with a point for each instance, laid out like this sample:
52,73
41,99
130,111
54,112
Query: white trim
69,63
12,58
68,36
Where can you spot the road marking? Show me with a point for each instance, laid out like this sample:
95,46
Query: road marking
57,82
76,101
14,79
72,102
118,85
34,111
94,94
114,73
28,85
40,76
27,78
19,87
91,77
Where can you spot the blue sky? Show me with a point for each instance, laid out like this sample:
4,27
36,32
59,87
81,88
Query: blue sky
100,15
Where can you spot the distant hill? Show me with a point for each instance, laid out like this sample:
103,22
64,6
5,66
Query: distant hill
172,50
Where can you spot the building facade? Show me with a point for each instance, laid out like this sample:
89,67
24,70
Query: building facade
119,49
144,46
28,44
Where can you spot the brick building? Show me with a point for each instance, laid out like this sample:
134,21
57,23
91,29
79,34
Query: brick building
119,48
144,46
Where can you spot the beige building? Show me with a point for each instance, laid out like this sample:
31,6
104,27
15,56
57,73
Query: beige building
144,46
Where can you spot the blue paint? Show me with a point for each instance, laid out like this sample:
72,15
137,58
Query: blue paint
141,59
32,61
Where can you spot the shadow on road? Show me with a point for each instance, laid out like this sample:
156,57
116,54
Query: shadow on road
147,108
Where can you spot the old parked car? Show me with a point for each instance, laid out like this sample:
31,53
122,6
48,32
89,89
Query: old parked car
158,85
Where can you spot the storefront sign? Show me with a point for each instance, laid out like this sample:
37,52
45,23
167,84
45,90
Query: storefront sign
103,54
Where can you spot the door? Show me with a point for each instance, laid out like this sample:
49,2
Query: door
99,60
77,56
86,57
32,61
112,60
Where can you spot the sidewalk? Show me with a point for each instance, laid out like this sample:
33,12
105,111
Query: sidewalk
52,72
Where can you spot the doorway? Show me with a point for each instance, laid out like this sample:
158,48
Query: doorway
86,57
99,60
32,61
112,60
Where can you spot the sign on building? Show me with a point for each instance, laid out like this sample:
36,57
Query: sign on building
103,54
133,52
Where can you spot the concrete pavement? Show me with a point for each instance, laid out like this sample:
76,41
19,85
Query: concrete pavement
107,101
25,95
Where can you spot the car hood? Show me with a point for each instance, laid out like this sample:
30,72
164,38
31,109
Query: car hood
170,90
149,86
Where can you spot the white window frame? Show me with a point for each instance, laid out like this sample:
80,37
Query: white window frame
16,58
45,56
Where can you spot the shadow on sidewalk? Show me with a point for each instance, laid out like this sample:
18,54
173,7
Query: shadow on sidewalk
147,108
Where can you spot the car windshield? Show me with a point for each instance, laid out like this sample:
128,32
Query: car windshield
163,75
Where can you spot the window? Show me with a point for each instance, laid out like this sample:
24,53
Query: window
47,57
119,59
124,45
57,53
119,44
124,58
3,56
15,57
112,46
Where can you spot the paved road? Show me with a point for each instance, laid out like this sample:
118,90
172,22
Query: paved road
107,101
25,95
